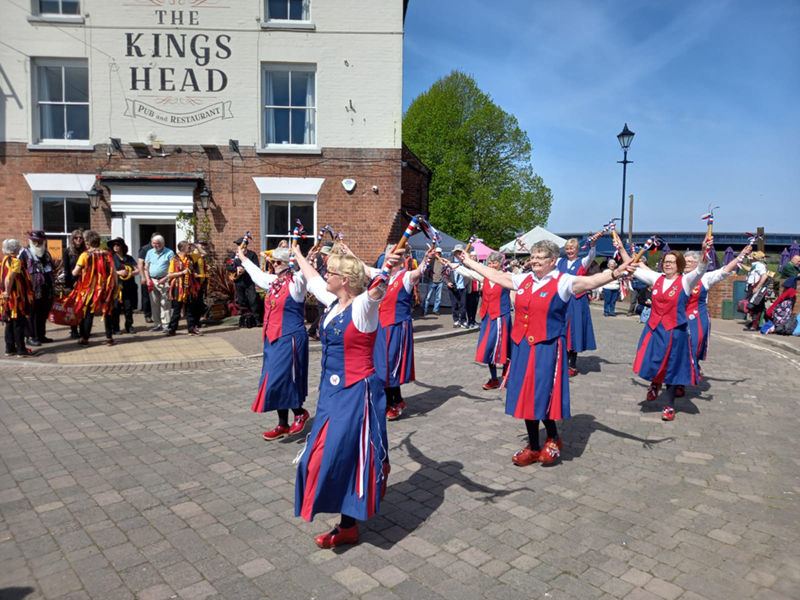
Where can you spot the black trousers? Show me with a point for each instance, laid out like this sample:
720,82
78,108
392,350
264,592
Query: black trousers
198,305
457,301
124,307
37,322
177,308
85,327
148,312
248,299
15,335
472,306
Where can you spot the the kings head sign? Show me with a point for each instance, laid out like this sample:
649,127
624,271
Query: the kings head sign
174,74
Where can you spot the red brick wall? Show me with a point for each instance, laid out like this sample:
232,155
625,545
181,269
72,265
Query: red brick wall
722,291
366,218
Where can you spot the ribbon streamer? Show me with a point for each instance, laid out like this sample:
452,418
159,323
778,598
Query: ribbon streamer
384,274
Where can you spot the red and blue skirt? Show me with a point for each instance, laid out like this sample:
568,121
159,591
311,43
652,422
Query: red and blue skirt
580,333
699,330
284,373
666,356
394,353
494,343
538,387
345,464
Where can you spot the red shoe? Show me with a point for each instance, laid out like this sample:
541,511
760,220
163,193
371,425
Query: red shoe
680,392
572,371
559,443
550,453
276,434
395,412
652,391
492,384
668,414
526,456
299,423
338,537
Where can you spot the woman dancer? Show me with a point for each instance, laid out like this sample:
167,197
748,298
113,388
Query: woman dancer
494,343
284,374
665,354
394,347
75,248
697,308
580,333
345,463
537,388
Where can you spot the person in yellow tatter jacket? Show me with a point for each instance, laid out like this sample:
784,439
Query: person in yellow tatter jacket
16,300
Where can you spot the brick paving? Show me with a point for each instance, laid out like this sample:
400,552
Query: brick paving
154,483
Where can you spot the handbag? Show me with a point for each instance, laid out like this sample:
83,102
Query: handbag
63,316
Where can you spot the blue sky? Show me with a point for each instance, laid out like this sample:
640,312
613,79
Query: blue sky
710,87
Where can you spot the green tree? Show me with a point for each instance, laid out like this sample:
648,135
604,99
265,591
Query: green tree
479,156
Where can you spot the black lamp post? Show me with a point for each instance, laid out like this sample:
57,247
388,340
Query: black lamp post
472,219
625,138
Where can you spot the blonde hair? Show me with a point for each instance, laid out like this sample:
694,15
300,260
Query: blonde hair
350,269
571,242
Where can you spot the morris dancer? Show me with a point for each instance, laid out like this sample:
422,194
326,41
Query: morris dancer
95,290
345,464
580,333
394,347
494,343
183,289
665,354
16,300
284,372
697,307
127,270
537,388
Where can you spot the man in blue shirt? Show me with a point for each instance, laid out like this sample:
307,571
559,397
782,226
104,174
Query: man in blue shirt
156,267
457,289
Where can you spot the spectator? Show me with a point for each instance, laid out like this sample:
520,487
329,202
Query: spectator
610,292
433,277
146,308
127,270
36,260
457,288
637,287
643,304
755,279
156,267
75,248
473,296
247,299
790,269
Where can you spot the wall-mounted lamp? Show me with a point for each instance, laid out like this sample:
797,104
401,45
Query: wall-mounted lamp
94,197
205,198
116,144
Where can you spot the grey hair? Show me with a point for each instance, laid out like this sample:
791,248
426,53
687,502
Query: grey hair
388,248
550,249
692,254
611,260
10,246
158,237
495,257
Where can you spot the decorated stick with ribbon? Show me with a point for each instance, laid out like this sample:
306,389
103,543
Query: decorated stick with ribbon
384,274
607,227
472,239
296,235
753,238
709,218
521,244
652,244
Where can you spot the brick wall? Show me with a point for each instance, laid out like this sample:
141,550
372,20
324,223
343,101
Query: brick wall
369,220
724,291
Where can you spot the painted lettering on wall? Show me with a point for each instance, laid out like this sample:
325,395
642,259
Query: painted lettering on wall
196,67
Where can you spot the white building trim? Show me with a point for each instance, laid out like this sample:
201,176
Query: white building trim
60,182
289,186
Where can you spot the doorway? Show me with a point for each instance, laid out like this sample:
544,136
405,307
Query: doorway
166,229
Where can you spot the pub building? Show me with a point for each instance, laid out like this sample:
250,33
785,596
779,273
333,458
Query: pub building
119,115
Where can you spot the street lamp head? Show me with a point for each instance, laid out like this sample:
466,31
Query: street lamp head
94,198
625,137
205,199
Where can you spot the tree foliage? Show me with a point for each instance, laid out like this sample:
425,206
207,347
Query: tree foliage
478,155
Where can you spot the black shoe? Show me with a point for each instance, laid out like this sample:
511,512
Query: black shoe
74,335
436,313
171,332
116,332
11,351
83,343
47,340
32,342
28,353
130,330
148,319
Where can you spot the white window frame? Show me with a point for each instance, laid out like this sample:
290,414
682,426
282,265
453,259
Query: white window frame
310,228
38,213
297,68
60,8
270,20
67,62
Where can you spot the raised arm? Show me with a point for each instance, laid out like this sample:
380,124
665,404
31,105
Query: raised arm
734,264
498,277
259,277
586,283
691,279
589,258
416,275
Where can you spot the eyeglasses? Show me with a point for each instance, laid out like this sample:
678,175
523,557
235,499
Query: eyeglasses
670,262
329,272
539,259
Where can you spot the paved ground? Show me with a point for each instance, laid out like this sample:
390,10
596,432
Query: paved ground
155,484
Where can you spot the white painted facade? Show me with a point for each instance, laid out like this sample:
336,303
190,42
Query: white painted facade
353,47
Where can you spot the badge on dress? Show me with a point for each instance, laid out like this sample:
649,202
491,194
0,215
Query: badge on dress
692,317
334,379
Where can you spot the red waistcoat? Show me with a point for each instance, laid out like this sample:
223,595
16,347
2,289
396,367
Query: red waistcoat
540,315
668,308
